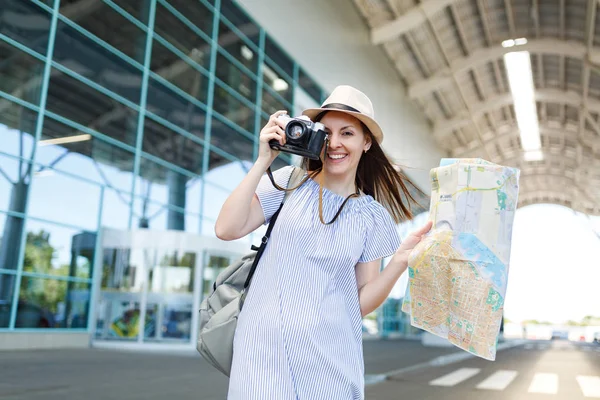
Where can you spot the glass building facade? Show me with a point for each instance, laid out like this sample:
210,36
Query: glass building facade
127,115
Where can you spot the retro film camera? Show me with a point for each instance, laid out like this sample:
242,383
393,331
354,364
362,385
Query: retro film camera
303,137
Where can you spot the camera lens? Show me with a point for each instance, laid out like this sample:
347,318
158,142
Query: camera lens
295,130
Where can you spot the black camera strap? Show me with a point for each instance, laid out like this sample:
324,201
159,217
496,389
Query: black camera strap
263,242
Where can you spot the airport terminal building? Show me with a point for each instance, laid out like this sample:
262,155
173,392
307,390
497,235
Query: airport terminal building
125,124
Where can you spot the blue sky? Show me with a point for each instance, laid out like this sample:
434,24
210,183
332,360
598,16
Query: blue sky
555,259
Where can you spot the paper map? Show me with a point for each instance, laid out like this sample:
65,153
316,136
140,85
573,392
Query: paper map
458,273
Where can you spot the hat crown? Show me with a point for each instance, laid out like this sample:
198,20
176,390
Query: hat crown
351,97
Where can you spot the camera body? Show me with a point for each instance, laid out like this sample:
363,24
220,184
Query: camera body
303,137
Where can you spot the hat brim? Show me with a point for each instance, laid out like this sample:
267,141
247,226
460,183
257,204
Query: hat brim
373,126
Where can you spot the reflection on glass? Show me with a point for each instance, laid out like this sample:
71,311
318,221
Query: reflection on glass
186,40
172,273
79,53
92,158
163,185
84,105
6,295
233,110
309,86
115,209
119,273
58,251
235,78
172,147
212,268
118,308
10,243
61,198
180,72
22,78
227,139
214,197
136,8
235,15
272,103
175,30
170,297
52,303
278,56
104,22
15,14
277,83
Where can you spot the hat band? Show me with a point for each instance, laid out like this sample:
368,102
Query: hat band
341,106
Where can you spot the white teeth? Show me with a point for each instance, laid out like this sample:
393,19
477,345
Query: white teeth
337,156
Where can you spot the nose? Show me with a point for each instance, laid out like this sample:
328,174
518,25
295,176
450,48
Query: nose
334,140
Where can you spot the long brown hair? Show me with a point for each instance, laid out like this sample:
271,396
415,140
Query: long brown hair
376,176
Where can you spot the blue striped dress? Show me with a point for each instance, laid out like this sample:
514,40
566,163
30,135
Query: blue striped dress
299,335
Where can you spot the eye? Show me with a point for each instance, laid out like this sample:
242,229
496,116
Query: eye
348,133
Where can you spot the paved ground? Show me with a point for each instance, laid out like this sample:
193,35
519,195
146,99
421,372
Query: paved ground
106,374
541,370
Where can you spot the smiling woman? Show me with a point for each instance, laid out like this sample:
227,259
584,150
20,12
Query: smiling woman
280,335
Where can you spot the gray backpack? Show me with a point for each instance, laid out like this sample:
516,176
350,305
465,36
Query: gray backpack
220,309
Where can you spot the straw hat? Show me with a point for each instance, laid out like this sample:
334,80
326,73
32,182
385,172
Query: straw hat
350,101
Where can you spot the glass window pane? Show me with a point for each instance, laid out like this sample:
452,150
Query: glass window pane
79,53
7,283
237,48
18,16
52,303
158,186
10,244
214,197
104,22
91,158
237,16
172,147
213,267
230,174
13,184
180,72
136,8
58,251
235,78
17,129
61,198
176,109
115,209
20,75
277,83
177,32
233,109
309,86
278,56
74,100
272,103
231,141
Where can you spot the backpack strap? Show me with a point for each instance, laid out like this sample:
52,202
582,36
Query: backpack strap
295,179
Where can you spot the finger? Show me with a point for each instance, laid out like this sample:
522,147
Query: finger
276,114
267,137
423,230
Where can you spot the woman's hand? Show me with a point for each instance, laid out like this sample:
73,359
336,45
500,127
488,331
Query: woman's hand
408,244
273,130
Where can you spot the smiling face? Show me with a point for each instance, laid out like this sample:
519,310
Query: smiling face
347,143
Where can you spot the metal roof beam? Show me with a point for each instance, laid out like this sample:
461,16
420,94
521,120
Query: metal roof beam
407,21
444,128
442,78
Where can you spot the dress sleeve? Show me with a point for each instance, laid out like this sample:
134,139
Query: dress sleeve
268,195
382,238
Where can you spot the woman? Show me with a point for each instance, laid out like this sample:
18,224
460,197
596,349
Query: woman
299,335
